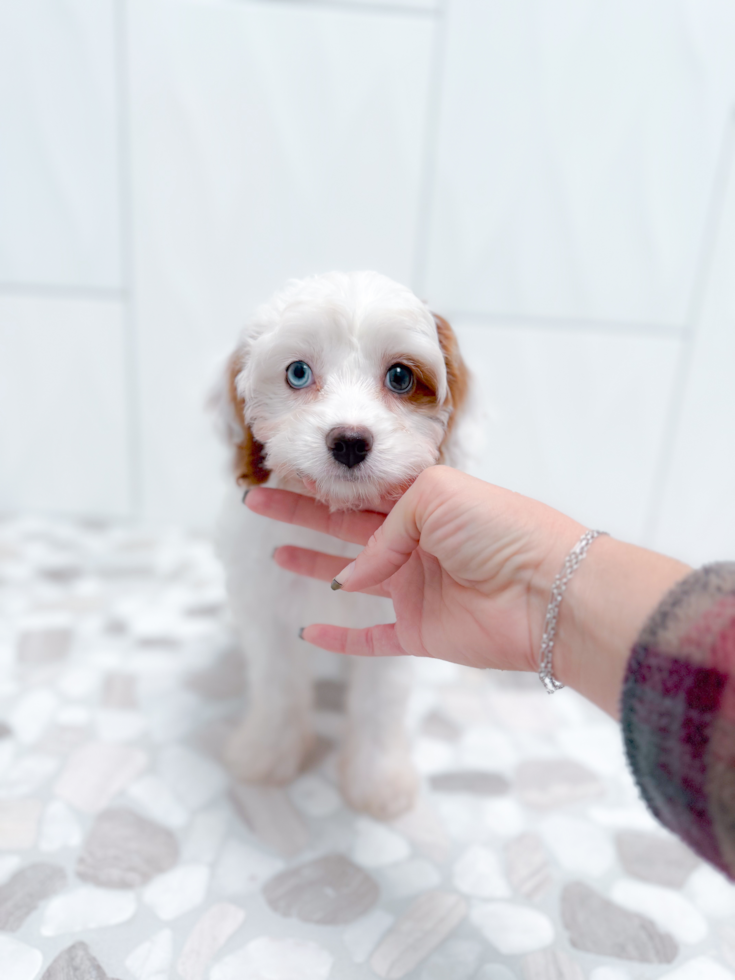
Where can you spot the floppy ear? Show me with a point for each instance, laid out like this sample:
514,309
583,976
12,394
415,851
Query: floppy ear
248,454
458,377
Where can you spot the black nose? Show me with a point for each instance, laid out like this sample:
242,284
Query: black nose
350,447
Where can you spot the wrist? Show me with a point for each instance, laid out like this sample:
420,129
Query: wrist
605,605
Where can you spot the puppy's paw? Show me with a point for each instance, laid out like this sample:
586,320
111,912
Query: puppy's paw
382,783
263,753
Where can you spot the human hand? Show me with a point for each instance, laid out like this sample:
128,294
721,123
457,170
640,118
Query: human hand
468,566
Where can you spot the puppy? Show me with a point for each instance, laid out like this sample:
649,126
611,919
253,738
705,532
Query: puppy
343,387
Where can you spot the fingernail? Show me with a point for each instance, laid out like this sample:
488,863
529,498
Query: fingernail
301,632
343,577
246,493
273,553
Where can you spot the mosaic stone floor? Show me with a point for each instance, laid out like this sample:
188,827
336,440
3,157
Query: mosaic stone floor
126,853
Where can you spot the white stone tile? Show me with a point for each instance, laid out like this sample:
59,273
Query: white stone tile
477,872
268,142
488,748
32,713
599,746
8,752
96,772
712,893
9,864
63,386
115,725
575,420
513,929
503,817
576,154
154,796
193,779
695,519
276,959
78,682
461,817
609,973
699,968
59,828
409,878
87,908
314,796
669,909
580,847
375,845
27,774
152,958
19,823
177,891
624,817
209,934
74,716
425,830
59,196
430,755
175,715
20,962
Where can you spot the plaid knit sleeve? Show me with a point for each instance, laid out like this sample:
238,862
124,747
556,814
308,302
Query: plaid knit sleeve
678,713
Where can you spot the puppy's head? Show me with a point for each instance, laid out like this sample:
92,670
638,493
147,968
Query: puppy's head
343,385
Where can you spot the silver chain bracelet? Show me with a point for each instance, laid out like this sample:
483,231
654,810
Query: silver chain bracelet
571,564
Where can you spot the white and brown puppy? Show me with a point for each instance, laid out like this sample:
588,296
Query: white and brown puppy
344,387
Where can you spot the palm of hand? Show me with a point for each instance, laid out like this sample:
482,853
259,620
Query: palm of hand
440,617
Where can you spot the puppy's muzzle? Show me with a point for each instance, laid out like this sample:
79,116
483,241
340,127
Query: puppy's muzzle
349,446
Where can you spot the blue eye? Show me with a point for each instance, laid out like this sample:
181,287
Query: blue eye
298,374
399,378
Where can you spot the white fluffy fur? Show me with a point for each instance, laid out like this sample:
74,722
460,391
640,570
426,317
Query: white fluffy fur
349,328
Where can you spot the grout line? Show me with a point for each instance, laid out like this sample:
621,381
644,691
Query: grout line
429,156
62,291
359,6
591,326
126,252
723,175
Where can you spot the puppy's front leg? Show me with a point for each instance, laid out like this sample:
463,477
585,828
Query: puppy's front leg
376,772
270,744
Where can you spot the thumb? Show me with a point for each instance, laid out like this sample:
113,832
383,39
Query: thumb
388,549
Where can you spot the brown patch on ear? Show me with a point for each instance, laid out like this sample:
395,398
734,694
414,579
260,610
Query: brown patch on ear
458,377
249,454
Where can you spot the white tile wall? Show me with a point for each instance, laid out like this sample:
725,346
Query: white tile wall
269,141
696,517
63,427
573,418
575,155
59,176
541,172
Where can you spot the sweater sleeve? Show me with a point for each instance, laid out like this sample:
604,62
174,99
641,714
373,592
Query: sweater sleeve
678,713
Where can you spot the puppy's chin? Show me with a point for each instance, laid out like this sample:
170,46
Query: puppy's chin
345,493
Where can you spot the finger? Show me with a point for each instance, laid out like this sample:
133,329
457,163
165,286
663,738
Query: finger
388,549
315,564
295,508
375,641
